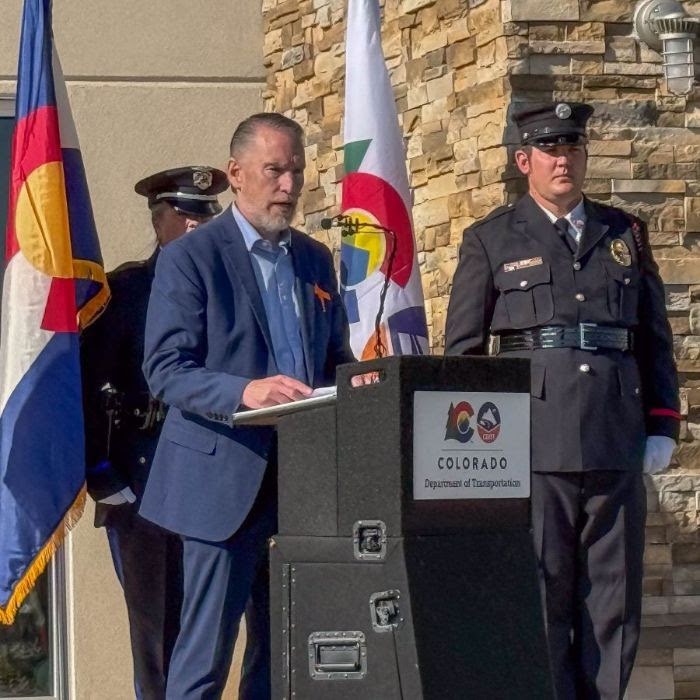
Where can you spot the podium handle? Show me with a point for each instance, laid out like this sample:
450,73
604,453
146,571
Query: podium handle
372,372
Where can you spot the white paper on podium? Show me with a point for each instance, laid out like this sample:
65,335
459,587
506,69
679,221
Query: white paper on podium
325,396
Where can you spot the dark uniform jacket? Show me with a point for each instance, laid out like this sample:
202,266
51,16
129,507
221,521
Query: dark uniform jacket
112,352
590,410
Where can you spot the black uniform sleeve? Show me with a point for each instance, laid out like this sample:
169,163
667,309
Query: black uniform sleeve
654,345
472,300
97,351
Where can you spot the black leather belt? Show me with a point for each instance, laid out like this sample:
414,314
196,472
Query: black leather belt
141,411
585,336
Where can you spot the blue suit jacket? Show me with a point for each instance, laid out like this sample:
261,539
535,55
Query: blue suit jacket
206,338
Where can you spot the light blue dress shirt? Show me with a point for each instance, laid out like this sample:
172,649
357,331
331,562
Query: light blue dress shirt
274,273
576,218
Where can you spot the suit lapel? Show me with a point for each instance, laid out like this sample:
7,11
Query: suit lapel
304,288
237,260
595,229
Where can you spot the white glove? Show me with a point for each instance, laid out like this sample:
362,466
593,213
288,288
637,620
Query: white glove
658,453
119,498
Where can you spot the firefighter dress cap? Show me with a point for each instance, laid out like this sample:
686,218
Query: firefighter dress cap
553,124
192,189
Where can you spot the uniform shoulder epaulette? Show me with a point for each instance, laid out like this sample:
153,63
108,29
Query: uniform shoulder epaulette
131,264
126,269
609,210
498,211
637,226
639,235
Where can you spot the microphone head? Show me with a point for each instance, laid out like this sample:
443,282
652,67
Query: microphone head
326,224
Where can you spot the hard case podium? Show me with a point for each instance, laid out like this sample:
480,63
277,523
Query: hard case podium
387,583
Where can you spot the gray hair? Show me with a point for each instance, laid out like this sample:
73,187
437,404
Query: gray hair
246,130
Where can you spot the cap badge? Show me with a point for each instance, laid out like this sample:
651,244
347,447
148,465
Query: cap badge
202,179
620,252
562,110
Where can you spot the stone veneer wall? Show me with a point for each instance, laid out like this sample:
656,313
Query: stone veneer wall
457,66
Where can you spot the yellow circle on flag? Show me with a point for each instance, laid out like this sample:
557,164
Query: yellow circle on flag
41,221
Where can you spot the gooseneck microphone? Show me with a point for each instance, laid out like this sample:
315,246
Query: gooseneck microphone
350,226
330,223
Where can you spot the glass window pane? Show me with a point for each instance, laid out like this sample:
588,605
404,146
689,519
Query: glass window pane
25,663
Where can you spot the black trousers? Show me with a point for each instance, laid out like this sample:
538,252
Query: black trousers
148,562
589,539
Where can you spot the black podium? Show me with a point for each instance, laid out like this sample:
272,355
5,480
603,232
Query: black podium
404,566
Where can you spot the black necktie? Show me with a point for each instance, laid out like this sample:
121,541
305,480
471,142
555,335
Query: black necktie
562,228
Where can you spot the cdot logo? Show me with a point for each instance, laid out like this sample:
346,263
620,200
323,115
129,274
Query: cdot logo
458,422
488,422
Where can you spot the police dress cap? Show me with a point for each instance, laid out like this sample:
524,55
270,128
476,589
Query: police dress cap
553,124
192,189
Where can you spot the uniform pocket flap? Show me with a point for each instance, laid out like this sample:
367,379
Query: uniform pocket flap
628,382
621,274
523,279
537,373
196,438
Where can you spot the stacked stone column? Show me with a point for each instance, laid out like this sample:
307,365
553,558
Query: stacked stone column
457,68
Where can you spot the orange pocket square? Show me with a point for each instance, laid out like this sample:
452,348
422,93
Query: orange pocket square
322,296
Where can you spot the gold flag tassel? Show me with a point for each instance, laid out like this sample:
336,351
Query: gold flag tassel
36,568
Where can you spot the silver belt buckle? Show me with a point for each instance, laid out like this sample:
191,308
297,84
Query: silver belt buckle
494,345
582,342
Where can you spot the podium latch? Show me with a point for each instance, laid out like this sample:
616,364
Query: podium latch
337,655
369,540
384,611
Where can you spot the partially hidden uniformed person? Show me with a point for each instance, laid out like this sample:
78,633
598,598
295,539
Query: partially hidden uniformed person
123,423
572,285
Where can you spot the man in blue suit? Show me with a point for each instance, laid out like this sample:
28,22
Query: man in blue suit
123,422
245,314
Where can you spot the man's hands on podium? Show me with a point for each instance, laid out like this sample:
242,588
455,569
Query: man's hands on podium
364,379
272,391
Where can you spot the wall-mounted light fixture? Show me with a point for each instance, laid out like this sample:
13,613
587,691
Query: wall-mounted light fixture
664,24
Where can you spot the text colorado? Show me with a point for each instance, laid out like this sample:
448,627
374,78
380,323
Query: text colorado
467,462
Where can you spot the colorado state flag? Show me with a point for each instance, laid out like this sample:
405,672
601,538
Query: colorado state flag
54,284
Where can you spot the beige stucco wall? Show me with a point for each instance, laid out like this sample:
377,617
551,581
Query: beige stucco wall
193,39
152,85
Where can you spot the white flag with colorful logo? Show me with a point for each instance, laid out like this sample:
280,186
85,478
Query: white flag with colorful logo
377,198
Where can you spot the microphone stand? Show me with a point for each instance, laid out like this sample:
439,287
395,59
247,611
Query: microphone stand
349,227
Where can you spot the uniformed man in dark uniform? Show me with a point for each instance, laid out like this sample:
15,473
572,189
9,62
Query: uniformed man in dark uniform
123,423
572,285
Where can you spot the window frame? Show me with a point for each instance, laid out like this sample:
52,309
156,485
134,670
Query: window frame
7,105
